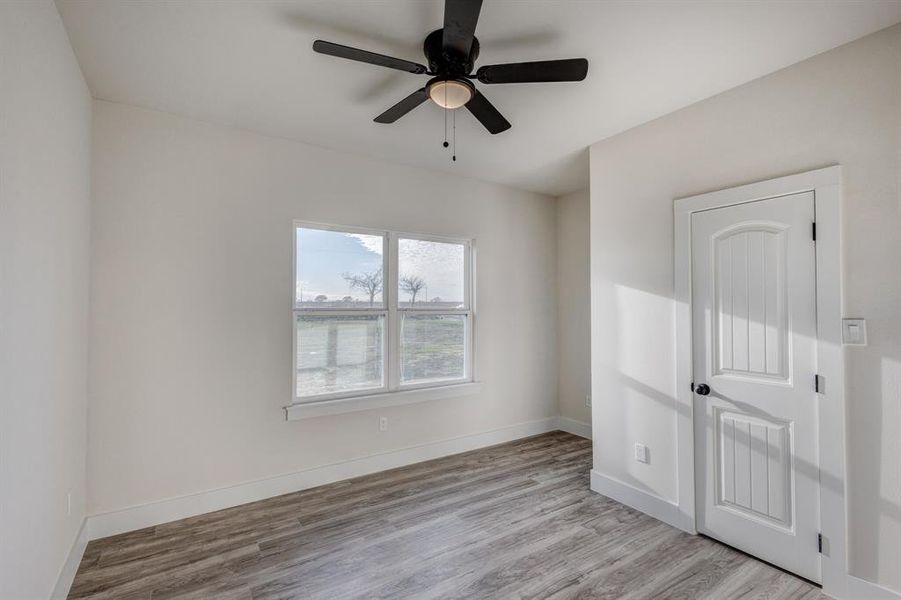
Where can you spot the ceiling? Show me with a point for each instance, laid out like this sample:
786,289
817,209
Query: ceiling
249,64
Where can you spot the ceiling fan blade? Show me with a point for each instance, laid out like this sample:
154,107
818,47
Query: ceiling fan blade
323,47
460,18
487,115
403,107
570,69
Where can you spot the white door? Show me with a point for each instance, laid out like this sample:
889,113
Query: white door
755,405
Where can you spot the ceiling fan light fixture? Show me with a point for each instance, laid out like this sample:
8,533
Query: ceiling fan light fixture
450,93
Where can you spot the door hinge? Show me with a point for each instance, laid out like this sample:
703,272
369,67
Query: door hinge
814,231
820,543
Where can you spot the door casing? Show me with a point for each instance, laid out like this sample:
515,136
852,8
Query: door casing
826,186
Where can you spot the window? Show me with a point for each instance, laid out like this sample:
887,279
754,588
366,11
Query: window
379,312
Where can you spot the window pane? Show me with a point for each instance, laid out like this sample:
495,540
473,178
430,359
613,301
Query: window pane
338,354
432,347
338,270
430,274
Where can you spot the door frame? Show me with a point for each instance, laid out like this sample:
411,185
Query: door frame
826,186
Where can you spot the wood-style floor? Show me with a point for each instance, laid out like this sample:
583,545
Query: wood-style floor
511,521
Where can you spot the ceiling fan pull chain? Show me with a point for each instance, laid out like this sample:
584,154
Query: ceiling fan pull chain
445,123
454,158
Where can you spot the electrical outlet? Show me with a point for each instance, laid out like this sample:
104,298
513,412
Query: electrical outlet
641,453
383,423
588,400
69,504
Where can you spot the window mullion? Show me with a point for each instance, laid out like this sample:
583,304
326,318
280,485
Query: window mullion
469,281
392,360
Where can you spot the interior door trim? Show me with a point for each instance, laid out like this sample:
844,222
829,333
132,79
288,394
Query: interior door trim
826,185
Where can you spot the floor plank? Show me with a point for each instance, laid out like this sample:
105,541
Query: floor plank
512,521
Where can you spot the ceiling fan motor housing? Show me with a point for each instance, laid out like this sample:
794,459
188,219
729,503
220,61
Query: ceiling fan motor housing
445,61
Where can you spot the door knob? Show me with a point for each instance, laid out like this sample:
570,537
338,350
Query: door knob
702,389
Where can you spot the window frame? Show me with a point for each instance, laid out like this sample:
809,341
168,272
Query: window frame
392,313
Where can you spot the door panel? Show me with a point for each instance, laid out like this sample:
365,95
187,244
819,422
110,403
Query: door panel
752,470
754,332
749,282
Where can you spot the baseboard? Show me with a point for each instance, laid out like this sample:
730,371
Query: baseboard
650,504
106,524
861,589
172,509
70,567
155,513
579,428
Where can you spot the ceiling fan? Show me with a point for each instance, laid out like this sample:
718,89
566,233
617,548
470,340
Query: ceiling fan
451,53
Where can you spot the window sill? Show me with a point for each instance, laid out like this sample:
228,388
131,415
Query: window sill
309,410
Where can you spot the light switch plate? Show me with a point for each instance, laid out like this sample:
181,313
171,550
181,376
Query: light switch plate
854,332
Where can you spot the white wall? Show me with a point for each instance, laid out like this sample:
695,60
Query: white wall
45,129
573,333
842,107
192,289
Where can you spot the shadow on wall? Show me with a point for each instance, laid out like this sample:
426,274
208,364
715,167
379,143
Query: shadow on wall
865,484
629,368
631,373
